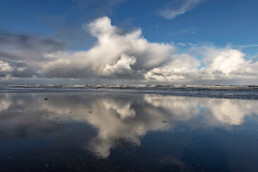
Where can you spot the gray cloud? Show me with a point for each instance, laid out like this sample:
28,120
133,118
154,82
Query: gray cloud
30,42
5,54
16,69
21,54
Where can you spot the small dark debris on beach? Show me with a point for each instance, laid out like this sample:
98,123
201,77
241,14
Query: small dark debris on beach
164,121
90,111
47,116
46,98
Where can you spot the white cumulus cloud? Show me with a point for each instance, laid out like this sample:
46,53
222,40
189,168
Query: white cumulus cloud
5,67
123,66
229,62
112,50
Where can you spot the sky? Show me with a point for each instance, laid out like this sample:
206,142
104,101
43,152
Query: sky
129,41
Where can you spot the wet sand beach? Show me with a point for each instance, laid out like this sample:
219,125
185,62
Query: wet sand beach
126,131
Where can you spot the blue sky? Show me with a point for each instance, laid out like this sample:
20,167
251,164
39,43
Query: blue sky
187,25
213,21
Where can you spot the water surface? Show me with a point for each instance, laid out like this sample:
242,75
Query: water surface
115,131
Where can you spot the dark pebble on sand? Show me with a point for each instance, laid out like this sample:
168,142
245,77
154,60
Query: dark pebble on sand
46,98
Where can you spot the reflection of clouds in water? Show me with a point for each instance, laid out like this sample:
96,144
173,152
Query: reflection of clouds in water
231,112
171,161
225,111
124,110
113,118
182,107
5,103
120,118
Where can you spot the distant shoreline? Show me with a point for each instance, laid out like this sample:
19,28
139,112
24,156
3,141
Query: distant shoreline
149,87
249,92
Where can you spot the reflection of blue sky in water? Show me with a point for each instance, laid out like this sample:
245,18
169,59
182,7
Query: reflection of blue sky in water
125,117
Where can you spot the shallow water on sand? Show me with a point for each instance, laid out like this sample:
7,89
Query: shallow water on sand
91,131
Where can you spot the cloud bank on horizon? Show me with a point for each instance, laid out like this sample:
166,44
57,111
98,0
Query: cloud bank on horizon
119,56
